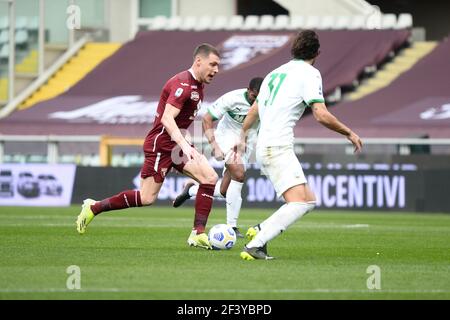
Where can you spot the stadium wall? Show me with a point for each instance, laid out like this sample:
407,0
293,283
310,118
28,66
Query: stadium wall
418,185
410,184
413,184
198,8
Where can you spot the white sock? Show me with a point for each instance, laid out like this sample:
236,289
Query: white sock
280,221
217,193
311,205
194,189
234,202
262,225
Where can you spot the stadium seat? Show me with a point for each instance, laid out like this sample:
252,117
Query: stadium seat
357,22
327,22
335,96
219,23
4,36
21,37
405,20
4,22
3,88
33,24
266,22
21,22
203,23
281,22
188,23
73,70
312,22
342,22
29,63
251,22
297,22
374,21
158,23
236,22
173,23
4,51
388,21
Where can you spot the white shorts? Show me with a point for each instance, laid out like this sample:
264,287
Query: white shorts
227,149
281,166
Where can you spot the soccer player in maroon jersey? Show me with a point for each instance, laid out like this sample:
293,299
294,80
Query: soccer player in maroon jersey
165,147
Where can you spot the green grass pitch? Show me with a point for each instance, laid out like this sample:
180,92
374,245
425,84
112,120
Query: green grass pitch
142,254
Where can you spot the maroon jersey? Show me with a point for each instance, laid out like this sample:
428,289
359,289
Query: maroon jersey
183,92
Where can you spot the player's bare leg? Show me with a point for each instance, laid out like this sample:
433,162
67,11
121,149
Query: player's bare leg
149,190
190,190
146,196
299,193
200,170
226,179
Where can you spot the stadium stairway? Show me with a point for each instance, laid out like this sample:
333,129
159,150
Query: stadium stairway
29,64
3,90
392,70
74,70
26,67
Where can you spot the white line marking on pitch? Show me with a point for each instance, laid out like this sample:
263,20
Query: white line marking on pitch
111,224
118,290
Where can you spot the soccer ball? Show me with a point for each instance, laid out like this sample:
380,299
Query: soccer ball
222,237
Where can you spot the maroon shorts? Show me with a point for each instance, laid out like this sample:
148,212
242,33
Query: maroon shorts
158,164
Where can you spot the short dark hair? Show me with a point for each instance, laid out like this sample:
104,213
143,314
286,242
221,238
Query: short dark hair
205,49
306,45
255,83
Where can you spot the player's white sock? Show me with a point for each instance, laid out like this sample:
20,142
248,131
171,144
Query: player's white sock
280,221
217,193
193,190
311,206
263,224
234,202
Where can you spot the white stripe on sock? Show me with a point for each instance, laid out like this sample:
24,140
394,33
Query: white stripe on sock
126,200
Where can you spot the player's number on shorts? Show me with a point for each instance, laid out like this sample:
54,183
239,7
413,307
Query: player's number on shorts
276,79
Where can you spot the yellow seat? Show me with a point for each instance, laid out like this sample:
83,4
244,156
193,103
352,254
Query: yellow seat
91,55
400,64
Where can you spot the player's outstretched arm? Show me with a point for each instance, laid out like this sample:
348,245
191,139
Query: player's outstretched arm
168,121
208,129
324,117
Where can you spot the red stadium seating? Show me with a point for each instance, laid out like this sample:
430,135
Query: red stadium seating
416,104
142,66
